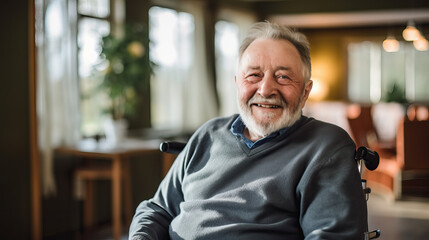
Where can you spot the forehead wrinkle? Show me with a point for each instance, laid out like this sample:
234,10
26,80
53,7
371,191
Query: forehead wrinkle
283,68
254,67
287,69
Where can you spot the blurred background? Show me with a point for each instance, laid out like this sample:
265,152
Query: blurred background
118,74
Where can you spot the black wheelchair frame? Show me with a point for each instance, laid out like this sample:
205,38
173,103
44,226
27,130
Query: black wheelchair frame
363,156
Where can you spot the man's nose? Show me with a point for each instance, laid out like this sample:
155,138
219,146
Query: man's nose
267,87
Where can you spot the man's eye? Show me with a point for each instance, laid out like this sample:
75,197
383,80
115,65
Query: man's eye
253,77
283,78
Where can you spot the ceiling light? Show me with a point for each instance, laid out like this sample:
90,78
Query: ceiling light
411,33
421,44
390,44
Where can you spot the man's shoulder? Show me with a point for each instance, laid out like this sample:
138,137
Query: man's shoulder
325,130
324,126
218,125
219,122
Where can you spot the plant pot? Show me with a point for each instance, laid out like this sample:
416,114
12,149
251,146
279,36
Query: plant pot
115,130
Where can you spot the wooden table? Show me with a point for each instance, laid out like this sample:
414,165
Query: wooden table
118,170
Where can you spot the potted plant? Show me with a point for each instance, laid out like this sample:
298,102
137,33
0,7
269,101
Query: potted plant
127,71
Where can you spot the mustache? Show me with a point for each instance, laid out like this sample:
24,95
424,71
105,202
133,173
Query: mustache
279,101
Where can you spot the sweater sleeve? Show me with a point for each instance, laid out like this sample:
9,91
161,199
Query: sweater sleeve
333,205
153,217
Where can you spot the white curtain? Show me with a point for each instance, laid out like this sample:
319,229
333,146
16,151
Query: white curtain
200,100
57,82
182,94
229,33
227,44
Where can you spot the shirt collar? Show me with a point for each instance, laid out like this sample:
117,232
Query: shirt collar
238,126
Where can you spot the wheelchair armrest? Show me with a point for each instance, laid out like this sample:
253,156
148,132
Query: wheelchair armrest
172,147
369,156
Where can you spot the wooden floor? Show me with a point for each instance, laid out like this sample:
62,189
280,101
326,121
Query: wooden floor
406,219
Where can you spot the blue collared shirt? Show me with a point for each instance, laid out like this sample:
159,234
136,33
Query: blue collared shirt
238,126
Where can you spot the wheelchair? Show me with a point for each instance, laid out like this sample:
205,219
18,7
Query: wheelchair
363,156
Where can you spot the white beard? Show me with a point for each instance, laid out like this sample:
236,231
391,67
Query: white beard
288,118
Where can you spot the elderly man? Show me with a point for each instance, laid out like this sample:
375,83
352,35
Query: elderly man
267,173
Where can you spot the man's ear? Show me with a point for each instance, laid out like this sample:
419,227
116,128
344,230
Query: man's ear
307,89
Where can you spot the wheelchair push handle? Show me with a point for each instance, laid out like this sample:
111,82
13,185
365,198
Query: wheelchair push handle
172,147
370,157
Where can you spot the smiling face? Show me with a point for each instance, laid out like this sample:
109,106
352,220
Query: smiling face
270,86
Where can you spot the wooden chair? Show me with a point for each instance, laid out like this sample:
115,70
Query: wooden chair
116,170
89,174
413,154
364,133
361,125
405,173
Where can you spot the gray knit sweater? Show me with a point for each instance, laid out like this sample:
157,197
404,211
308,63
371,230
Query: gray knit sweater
304,184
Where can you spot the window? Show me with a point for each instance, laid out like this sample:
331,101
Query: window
229,32
94,8
421,77
226,45
171,35
376,75
93,23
